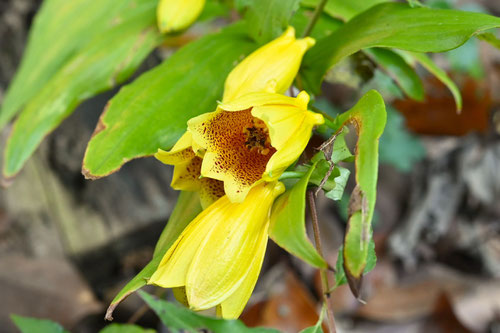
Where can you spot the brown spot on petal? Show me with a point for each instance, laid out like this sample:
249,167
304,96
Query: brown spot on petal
241,144
211,190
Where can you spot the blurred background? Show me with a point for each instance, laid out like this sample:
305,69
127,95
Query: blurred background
68,245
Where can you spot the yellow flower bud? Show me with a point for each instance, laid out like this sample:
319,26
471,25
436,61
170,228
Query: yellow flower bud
176,15
270,68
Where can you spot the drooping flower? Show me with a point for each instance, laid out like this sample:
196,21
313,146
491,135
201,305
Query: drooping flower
187,161
176,15
252,139
272,67
218,257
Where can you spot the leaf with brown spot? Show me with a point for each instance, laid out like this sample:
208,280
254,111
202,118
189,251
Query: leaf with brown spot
369,117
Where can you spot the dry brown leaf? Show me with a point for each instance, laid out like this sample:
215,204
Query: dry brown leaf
289,307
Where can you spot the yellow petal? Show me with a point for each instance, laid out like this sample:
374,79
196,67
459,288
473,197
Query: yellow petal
180,295
233,306
275,63
181,152
225,257
228,158
264,98
176,15
290,146
210,191
186,175
175,263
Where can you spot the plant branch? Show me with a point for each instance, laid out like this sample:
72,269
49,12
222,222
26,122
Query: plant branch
317,13
324,274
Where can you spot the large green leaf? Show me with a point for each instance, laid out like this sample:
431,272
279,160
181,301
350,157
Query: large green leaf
287,226
108,59
178,319
369,116
61,29
399,70
394,25
34,325
343,9
186,209
268,18
152,111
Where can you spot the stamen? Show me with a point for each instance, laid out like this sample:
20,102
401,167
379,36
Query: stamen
257,137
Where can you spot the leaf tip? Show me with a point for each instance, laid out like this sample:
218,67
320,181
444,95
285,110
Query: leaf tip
355,283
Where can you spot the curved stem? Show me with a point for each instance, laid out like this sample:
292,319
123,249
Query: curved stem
324,274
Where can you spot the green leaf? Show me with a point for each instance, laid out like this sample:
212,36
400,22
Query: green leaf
490,38
60,31
214,9
340,151
125,328
316,328
369,116
428,64
398,147
287,228
340,277
34,325
106,60
399,70
176,319
343,9
152,111
393,25
340,181
320,170
267,19
186,209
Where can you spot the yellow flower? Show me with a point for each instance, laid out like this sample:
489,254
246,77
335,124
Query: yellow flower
176,15
252,139
187,167
271,67
218,257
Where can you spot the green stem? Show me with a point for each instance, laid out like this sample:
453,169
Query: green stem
317,13
323,113
291,175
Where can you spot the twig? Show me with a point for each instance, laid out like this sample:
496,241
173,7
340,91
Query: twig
324,275
325,178
314,18
143,309
327,148
138,314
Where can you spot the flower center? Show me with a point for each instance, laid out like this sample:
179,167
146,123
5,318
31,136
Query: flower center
257,137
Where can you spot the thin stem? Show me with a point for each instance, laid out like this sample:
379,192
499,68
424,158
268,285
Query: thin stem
314,18
138,314
323,113
291,175
324,274
143,309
